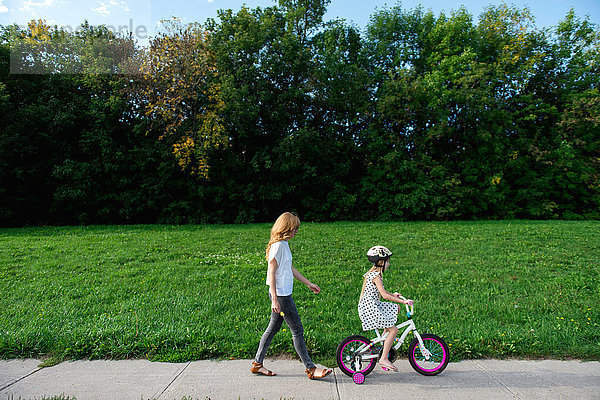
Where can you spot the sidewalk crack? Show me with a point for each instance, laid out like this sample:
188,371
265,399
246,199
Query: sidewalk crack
337,389
516,395
9,384
173,381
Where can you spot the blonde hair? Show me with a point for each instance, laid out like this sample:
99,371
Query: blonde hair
379,267
282,229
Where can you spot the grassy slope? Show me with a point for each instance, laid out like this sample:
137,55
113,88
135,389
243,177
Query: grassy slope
508,288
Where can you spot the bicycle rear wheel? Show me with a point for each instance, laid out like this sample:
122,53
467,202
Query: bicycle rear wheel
350,360
440,355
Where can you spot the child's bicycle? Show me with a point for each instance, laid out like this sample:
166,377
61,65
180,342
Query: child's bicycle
428,354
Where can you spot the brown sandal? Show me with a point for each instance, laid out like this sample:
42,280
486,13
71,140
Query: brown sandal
311,373
256,370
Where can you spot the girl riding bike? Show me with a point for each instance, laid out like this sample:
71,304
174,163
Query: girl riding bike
375,314
356,355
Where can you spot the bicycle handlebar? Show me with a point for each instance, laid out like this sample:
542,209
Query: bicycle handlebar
409,311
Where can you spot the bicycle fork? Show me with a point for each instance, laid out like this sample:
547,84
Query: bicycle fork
426,353
410,327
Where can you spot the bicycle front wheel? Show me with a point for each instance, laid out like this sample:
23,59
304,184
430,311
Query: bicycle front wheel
351,360
439,355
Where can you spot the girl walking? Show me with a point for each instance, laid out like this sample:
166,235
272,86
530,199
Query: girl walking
280,278
375,314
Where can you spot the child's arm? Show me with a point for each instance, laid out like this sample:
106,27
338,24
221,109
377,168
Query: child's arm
387,295
302,279
407,301
273,286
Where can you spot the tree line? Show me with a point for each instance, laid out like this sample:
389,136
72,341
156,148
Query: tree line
416,117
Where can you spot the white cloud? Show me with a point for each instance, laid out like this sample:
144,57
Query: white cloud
107,7
28,5
3,9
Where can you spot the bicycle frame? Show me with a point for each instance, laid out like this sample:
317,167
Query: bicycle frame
410,327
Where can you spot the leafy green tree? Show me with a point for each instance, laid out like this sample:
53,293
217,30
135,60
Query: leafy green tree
43,49
276,153
341,88
421,117
558,150
303,17
181,95
73,150
429,108
474,122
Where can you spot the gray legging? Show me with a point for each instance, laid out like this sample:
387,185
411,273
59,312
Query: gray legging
292,319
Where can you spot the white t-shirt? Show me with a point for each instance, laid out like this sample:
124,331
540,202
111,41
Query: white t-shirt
284,278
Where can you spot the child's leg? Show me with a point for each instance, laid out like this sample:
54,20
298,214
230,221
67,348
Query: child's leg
292,319
387,345
267,337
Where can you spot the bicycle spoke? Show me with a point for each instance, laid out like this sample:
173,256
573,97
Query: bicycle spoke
436,353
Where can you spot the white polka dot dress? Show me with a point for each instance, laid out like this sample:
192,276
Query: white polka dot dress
373,313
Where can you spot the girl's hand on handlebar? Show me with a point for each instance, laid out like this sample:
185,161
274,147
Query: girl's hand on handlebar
402,300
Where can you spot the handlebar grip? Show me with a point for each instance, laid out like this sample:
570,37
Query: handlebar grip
409,311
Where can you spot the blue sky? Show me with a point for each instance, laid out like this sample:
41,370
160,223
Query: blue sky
142,16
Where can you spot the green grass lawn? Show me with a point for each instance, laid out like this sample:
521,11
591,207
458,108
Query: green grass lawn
176,293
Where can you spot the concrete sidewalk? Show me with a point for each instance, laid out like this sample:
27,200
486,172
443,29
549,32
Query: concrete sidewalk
141,379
